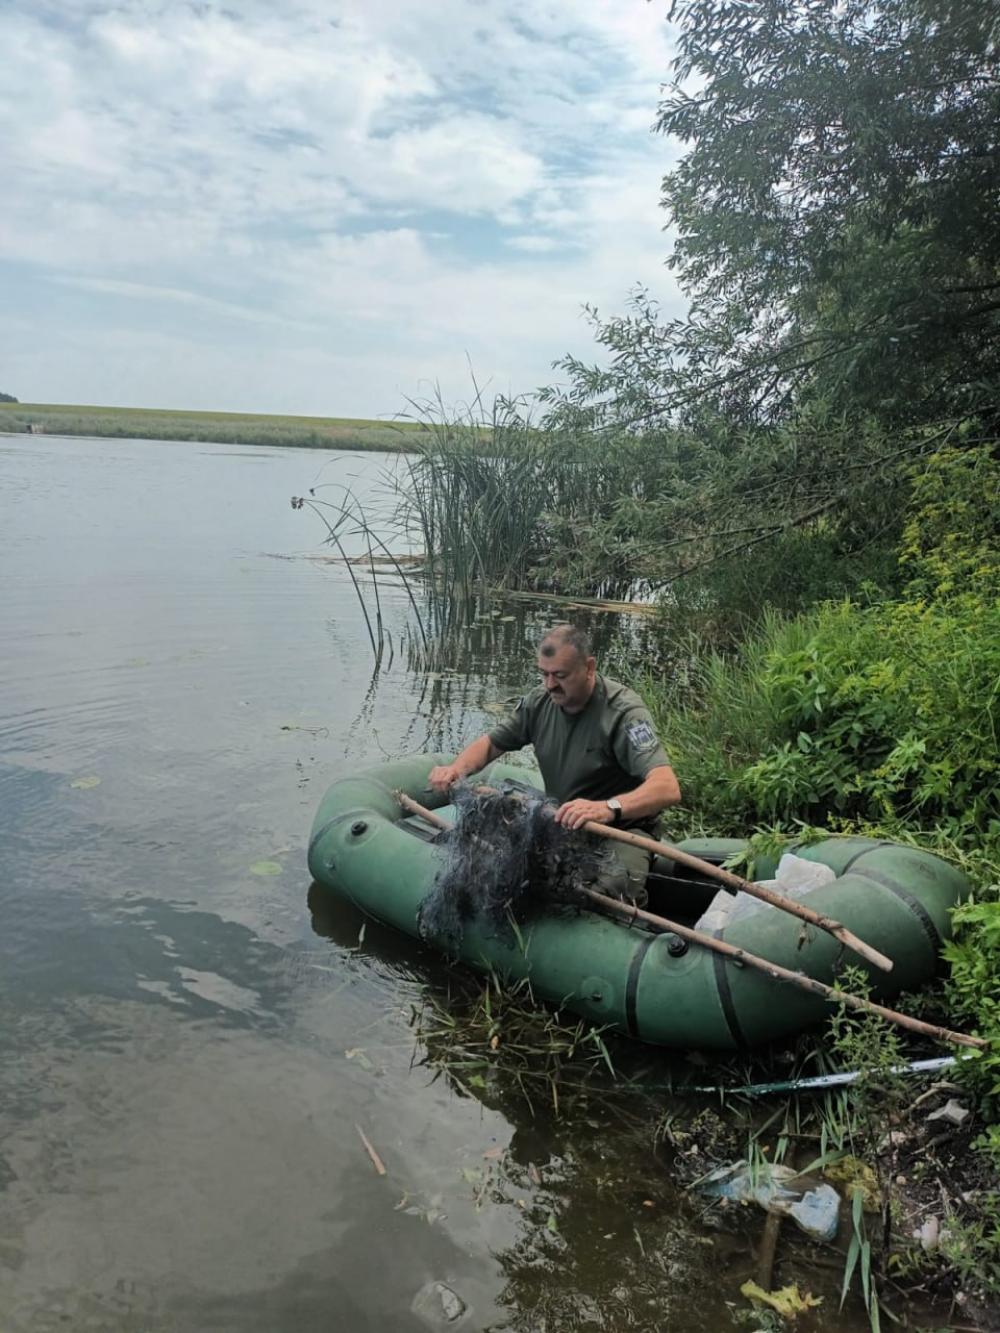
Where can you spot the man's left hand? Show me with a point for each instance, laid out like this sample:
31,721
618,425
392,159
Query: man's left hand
574,814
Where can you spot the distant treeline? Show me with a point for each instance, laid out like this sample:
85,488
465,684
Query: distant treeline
7,398
211,427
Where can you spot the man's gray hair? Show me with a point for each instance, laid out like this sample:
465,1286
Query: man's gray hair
560,635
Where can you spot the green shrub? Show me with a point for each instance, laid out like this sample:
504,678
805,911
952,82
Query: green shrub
974,997
874,713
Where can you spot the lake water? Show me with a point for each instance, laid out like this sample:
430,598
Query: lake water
189,1037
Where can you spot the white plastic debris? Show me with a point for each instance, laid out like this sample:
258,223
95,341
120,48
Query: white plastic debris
929,1234
953,1112
438,1305
778,1189
795,877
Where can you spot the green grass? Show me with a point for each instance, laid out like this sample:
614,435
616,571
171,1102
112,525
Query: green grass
218,427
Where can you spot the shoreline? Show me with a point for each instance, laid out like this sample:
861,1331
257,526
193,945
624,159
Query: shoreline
253,429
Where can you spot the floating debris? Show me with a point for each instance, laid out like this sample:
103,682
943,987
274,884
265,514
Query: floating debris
788,1302
437,1304
815,1209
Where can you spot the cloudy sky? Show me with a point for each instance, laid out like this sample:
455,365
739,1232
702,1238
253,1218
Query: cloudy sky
320,206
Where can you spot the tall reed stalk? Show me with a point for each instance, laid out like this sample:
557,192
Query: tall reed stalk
475,492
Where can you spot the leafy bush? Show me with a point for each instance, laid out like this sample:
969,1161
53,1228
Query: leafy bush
866,713
974,994
889,712
951,541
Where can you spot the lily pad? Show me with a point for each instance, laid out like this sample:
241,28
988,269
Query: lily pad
265,868
85,784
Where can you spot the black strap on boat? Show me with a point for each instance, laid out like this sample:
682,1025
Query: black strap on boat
726,996
903,894
913,903
872,847
632,984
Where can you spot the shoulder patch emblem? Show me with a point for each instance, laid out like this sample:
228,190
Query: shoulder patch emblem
642,735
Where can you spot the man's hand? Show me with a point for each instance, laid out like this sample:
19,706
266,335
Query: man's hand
574,814
444,776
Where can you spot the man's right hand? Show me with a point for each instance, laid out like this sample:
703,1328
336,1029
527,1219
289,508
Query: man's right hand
444,776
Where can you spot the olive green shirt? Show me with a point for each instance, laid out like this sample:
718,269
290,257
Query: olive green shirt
605,750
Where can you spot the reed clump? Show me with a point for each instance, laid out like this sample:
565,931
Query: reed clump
474,494
498,501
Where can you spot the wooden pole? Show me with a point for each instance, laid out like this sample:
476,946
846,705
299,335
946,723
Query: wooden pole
785,904
781,973
766,1253
737,955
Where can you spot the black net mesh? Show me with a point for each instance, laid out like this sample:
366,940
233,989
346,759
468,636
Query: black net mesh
505,860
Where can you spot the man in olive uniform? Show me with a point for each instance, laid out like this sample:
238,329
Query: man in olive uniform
597,750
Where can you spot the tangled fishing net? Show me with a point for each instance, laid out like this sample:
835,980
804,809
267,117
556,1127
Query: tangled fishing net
505,860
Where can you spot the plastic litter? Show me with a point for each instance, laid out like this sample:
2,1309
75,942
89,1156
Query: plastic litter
788,1302
814,1208
954,1113
795,877
931,1066
437,1304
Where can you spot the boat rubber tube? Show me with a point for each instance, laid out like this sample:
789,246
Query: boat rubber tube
897,898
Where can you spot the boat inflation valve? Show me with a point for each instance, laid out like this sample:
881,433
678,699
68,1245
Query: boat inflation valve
676,947
358,827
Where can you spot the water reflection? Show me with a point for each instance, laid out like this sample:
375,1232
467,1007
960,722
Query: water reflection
183,1058
602,1239
480,656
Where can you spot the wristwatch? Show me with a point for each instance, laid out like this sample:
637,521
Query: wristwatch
615,806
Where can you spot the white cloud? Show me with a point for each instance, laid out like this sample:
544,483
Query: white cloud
402,183
148,294
538,245
461,163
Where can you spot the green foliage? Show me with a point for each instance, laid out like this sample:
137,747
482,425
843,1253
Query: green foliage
971,1247
495,501
870,713
863,1041
474,493
838,239
951,541
835,214
974,996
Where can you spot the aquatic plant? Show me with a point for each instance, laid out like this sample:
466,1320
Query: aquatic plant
494,1036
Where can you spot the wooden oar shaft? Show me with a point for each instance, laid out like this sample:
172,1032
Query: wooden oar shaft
735,954
780,900
785,904
415,808
778,972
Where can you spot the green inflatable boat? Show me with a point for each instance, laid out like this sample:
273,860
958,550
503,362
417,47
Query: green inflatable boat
649,985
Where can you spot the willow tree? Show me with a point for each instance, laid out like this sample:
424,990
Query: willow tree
836,215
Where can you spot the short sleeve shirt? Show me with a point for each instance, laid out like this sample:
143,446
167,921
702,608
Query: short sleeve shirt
605,750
